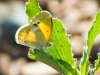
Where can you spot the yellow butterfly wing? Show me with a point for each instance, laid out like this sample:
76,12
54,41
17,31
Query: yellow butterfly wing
25,35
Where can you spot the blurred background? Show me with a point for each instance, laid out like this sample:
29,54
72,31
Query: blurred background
77,17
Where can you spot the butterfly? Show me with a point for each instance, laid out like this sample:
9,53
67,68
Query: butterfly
36,34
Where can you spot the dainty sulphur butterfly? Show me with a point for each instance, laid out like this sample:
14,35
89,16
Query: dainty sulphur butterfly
37,32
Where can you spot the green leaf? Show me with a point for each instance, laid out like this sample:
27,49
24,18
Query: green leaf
59,38
93,32
61,48
97,64
68,68
32,8
84,66
40,55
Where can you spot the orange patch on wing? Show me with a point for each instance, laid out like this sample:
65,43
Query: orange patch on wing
28,36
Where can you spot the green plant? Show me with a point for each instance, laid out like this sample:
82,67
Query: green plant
59,56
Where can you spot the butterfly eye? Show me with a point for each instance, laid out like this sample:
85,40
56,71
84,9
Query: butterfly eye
35,24
38,22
